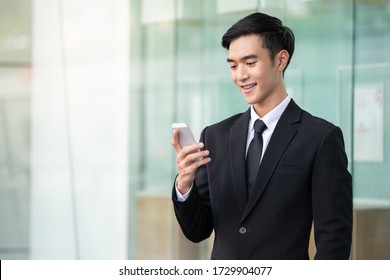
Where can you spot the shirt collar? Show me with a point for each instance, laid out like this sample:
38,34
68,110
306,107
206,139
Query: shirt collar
272,118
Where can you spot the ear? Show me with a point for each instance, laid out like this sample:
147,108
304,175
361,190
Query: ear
281,60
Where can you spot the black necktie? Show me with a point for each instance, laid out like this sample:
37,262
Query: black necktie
254,154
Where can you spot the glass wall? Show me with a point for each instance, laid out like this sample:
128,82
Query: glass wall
86,107
64,84
181,75
15,125
338,72
371,115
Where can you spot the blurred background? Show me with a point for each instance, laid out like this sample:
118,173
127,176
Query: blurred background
89,89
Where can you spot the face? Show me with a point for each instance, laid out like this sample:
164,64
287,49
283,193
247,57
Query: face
259,78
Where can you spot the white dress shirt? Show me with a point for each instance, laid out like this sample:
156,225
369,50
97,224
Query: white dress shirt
271,119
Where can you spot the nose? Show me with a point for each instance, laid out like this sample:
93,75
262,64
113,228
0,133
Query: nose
242,74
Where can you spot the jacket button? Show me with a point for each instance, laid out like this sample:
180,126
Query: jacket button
242,230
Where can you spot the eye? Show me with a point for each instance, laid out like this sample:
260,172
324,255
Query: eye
251,63
233,67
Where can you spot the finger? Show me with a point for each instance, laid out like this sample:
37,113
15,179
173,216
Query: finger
198,155
192,162
175,140
183,159
193,148
187,174
189,171
201,161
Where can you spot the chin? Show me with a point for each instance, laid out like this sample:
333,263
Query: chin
250,102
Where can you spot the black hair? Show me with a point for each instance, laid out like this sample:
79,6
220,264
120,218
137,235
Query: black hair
276,37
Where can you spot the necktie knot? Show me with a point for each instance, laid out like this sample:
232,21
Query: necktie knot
259,126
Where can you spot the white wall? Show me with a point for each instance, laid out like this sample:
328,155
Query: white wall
79,130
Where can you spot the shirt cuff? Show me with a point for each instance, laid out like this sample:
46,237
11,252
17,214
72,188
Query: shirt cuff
182,197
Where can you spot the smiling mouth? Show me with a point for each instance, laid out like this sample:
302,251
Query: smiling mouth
247,87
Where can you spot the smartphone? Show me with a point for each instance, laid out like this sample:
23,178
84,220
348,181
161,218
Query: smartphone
185,135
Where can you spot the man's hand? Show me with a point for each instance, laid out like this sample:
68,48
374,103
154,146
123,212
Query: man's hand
188,160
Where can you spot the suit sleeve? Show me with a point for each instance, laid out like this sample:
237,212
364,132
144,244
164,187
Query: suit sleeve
194,215
332,198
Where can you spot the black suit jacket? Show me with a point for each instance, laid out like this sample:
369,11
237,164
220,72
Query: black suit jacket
303,178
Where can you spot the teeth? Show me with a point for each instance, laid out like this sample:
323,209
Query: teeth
249,86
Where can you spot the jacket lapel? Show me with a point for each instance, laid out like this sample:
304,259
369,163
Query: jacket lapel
238,135
283,134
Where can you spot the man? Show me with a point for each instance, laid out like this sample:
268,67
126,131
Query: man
300,175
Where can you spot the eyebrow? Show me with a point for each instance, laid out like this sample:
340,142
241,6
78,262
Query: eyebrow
249,56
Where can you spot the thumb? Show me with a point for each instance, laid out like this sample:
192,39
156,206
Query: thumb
175,140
